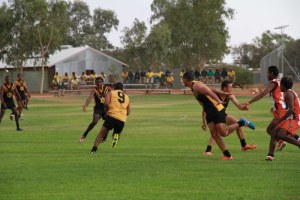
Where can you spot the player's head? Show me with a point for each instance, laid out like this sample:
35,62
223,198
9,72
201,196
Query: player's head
118,86
226,86
272,72
7,79
286,83
20,76
99,81
187,77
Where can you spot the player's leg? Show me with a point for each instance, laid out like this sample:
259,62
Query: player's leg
283,135
15,112
99,138
19,108
211,141
118,128
2,113
272,144
231,120
219,141
96,118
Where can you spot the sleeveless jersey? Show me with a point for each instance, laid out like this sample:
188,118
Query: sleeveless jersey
225,100
277,97
99,96
118,105
20,86
8,91
208,103
296,111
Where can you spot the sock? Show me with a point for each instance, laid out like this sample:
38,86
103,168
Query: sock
271,154
208,148
226,153
243,142
94,149
296,137
241,123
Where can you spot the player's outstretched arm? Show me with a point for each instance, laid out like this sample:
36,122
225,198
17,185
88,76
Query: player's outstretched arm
88,100
268,89
206,91
237,103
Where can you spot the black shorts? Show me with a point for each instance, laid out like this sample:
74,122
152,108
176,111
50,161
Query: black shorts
9,105
216,117
23,96
100,112
112,123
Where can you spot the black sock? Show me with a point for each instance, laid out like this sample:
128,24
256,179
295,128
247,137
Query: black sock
296,137
270,154
208,148
94,149
241,123
226,153
243,142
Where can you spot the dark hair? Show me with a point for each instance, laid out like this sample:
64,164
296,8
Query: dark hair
286,82
274,70
119,86
99,78
225,84
189,75
20,74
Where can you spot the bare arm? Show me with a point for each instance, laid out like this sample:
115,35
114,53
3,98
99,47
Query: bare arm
219,91
128,109
237,103
107,99
206,91
88,100
1,95
270,87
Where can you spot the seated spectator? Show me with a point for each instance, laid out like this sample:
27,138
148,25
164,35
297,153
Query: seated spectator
66,80
197,75
130,77
74,83
55,83
231,76
83,78
169,81
137,77
217,76
124,76
57,76
102,75
210,75
61,88
149,76
181,76
162,81
224,74
143,77
204,75
93,77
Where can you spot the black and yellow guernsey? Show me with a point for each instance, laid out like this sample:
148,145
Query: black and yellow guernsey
99,96
209,104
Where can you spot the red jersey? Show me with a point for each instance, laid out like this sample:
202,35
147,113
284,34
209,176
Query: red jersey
296,111
277,97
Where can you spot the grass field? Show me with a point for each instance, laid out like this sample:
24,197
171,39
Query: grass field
159,155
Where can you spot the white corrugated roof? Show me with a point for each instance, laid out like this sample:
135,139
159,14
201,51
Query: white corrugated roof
60,55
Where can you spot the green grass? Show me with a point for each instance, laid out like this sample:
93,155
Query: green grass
159,155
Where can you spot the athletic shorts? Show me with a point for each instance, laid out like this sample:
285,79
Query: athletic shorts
9,105
278,113
23,96
112,123
290,125
216,117
100,111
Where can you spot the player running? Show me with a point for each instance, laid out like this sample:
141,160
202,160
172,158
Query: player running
7,93
22,89
215,112
118,110
226,86
289,123
98,93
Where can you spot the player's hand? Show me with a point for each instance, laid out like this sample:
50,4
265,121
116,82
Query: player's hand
203,126
221,102
84,108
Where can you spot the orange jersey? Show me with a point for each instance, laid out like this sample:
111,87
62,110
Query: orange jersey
296,111
277,97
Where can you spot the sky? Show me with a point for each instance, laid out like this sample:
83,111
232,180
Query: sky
252,17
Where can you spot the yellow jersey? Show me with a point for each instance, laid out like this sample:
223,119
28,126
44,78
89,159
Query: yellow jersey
149,74
118,104
57,77
231,74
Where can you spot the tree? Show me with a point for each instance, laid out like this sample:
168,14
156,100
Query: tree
50,27
133,41
199,32
6,25
292,54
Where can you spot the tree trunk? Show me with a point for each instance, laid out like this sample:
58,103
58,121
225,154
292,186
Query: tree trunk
43,73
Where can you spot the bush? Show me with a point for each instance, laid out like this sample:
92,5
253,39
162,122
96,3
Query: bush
243,76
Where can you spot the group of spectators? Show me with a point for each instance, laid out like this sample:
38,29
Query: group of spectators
159,78
210,76
72,82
